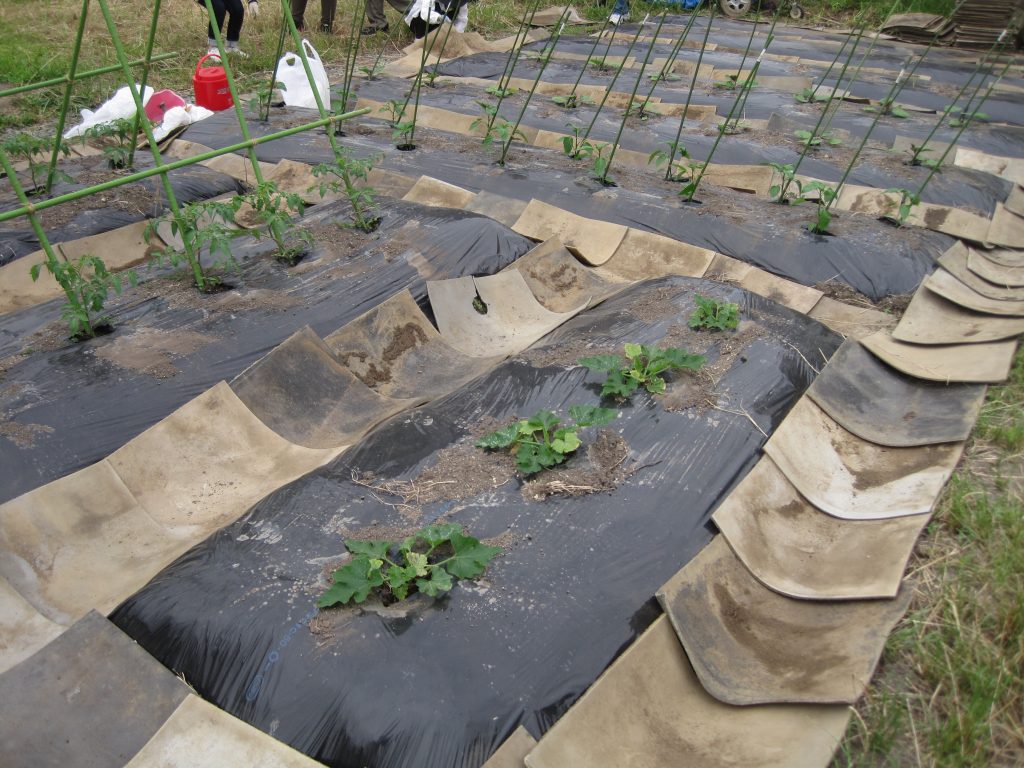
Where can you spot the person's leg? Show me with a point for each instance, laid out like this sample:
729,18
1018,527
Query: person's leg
402,6
327,10
620,12
375,18
299,13
218,14
236,15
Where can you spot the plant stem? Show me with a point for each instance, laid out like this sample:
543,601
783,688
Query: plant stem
689,95
615,144
750,86
615,77
543,65
821,119
350,67
750,41
586,62
828,71
692,187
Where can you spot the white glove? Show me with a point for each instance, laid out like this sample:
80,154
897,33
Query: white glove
462,18
254,8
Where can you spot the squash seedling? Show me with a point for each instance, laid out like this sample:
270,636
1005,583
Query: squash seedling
428,561
541,442
645,366
714,315
86,283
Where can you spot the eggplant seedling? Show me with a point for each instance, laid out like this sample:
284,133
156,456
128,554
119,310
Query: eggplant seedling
907,201
540,442
806,138
572,100
714,315
86,283
822,215
427,562
809,95
678,170
888,107
644,366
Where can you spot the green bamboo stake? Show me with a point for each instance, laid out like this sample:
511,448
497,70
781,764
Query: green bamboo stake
28,208
586,63
671,60
691,189
821,119
902,82
750,85
80,76
533,89
172,200
265,109
828,71
510,64
615,78
967,121
915,160
174,165
350,69
444,43
522,29
750,42
673,147
603,178
148,58
66,104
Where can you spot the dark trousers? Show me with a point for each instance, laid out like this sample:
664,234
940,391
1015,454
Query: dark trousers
327,8
235,12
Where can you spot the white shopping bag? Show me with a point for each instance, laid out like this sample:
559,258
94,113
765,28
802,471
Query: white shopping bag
292,75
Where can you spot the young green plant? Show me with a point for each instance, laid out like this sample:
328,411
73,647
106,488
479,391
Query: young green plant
86,283
907,201
29,148
115,140
201,224
343,175
644,367
541,442
714,315
428,562
277,210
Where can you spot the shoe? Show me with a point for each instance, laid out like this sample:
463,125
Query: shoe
213,51
236,51
373,29
617,18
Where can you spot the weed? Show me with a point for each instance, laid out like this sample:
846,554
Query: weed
426,562
115,139
908,200
539,442
342,175
644,366
86,283
201,224
714,315
30,148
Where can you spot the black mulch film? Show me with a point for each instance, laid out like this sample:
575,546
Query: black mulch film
445,681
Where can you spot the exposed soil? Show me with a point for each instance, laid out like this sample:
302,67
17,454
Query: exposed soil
893,305
600,471
22,435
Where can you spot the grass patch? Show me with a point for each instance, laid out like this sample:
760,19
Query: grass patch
950,691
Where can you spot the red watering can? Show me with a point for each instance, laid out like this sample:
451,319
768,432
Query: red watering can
211,86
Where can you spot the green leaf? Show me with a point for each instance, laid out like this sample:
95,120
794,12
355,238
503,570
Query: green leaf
528,459
34,271
501,438
565,441
603,363
634,351
680,358
398,579
370,549
417,562
592,415
438,582
899,112
352,582
655,385
470,557
618,385
542,420
438,533
567,145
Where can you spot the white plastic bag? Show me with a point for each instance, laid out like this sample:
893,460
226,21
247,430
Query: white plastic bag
291,73
120,105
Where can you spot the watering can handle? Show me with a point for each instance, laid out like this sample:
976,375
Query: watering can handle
207,56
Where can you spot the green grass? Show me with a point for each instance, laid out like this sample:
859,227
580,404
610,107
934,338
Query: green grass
951,688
